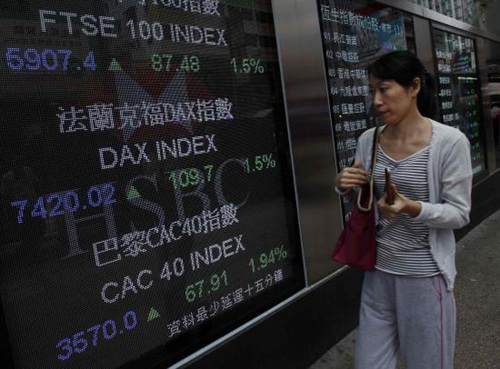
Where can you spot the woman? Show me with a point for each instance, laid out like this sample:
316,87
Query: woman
407,302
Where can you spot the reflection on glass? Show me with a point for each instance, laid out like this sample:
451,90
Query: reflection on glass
147,202
459,90
463,10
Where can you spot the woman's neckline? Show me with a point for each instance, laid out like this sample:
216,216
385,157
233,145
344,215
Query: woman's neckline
416,152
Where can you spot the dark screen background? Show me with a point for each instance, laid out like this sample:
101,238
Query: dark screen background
355,34
147,202
460,90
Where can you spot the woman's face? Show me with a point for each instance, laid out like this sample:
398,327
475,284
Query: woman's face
392,101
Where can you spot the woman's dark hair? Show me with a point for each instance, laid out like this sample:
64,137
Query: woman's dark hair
403,67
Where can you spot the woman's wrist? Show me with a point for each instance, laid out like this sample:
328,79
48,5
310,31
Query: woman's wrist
340,191
412,208
339,188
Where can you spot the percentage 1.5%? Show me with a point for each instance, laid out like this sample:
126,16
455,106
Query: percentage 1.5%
259,163
247,66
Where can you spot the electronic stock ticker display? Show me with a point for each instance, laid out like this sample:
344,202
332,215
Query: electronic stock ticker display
460,90
355,34
147,199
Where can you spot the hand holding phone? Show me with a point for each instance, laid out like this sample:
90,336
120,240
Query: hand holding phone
389,190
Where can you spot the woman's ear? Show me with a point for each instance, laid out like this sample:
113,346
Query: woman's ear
415,87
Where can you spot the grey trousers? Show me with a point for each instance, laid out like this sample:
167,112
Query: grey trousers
413,315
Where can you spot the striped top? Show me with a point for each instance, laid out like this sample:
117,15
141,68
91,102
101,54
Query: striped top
403,244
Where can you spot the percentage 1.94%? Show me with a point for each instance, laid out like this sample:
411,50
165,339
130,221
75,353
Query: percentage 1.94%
267,258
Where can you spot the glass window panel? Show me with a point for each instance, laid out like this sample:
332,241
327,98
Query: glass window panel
492,51
356,33
460,90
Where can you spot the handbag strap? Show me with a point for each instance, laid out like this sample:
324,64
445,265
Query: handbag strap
371,180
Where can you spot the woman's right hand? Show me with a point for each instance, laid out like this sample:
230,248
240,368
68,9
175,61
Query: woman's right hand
351,177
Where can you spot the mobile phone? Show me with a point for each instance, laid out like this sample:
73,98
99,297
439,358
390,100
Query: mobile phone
388,188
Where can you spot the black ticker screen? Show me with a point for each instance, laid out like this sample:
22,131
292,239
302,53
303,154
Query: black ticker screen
147,198
355,34
460,90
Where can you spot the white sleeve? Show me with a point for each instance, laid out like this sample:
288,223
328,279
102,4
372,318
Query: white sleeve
456,181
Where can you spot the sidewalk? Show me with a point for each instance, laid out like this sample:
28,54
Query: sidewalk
477,292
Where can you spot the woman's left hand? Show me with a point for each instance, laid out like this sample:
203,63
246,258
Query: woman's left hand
401,203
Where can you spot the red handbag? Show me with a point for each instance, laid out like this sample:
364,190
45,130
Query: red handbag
356,245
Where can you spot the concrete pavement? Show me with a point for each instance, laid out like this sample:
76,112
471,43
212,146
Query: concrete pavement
477,293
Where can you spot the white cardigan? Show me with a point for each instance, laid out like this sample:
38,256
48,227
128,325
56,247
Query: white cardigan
450,186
